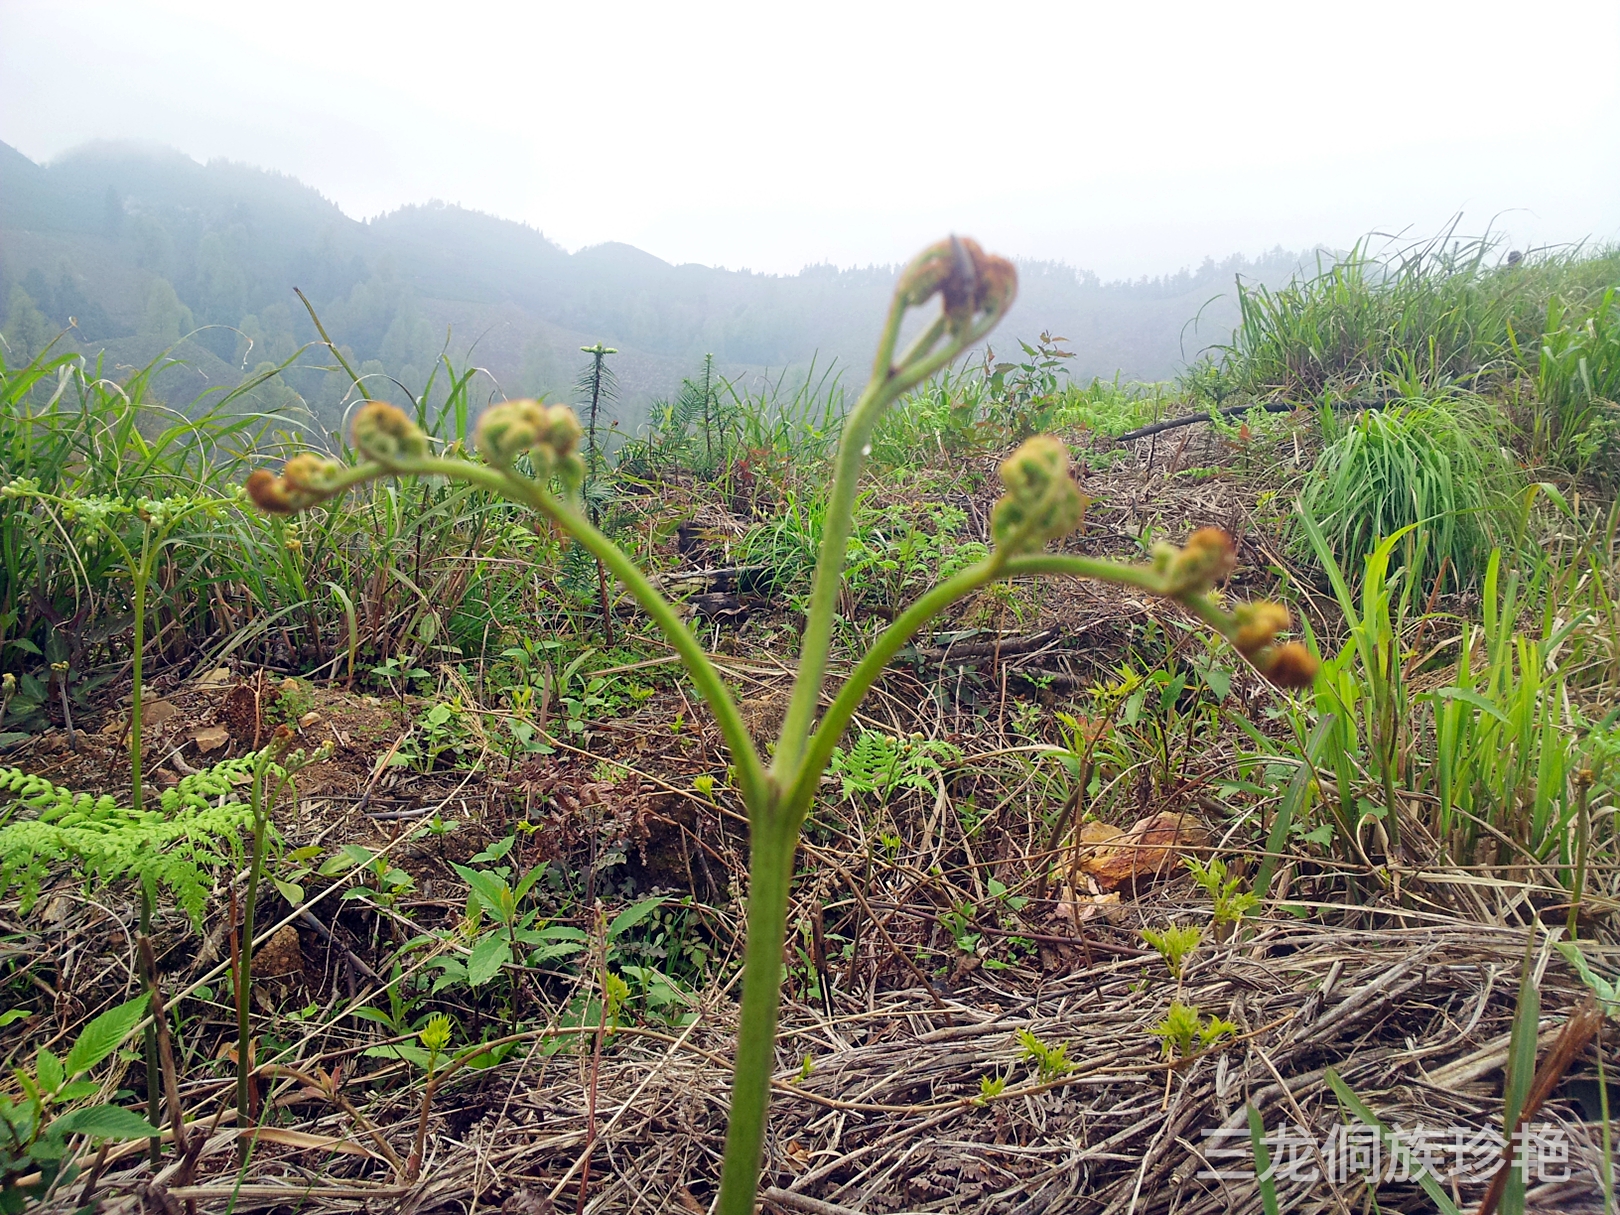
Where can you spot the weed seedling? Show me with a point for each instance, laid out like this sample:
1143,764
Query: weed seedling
1184,1025
1173,945
1231,901
1051,1062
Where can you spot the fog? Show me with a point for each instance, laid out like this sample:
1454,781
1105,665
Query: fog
1125,139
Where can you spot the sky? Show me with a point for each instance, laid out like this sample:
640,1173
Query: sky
1128,139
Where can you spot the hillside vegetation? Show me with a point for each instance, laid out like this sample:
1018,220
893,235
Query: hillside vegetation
458,753
144,246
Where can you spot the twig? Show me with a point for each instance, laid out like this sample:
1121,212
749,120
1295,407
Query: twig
171,1083
325,1086
310,918
803,1202
596,1063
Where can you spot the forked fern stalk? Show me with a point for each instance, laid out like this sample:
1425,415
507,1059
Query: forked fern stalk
1042,504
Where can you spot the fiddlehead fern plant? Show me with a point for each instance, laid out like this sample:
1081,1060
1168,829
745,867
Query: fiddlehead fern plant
1042,503
139,532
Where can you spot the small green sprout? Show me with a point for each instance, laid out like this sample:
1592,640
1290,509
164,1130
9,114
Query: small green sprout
1174,944
1051,1062
435,1036
1232,903
1184,1025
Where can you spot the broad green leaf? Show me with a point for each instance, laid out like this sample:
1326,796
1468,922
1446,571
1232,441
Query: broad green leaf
350,856
633,915
106,1122
536,872
549,953
491,1057
563,932
103,1035
49,1070
291,891
1601,987
410,1052
489,889
488,956
1218,680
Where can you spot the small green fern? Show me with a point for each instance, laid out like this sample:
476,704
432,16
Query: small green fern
196,828
878,762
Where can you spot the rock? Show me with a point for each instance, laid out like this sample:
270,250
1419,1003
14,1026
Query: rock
156,711
240,713
281,957
210,738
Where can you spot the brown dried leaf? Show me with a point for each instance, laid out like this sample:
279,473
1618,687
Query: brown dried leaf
1151,849
299,1139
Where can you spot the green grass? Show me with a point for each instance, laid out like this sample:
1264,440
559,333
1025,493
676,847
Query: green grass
1437,463
1430,317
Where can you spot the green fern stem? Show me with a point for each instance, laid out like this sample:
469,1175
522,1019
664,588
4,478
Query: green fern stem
774,843
244,976
1038,509
140,572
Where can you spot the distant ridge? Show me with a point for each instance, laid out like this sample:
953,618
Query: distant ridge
115,224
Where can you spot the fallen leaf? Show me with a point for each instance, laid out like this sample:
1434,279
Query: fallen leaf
1152,848
308,720
210,738
219,675
1079,908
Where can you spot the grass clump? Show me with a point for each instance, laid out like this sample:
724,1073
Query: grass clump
1435,462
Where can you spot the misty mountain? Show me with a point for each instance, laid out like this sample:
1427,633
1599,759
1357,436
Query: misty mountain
143,246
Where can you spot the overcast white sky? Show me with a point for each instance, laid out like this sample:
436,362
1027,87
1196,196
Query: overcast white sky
1129,138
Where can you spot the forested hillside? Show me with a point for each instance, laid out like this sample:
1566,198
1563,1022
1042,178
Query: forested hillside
143,246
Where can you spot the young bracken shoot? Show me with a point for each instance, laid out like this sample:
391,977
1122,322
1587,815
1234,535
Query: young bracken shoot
529,455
